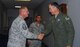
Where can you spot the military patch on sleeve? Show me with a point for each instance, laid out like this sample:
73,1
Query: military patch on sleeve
67,18
24,26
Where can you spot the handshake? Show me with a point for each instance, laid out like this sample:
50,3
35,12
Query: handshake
40,36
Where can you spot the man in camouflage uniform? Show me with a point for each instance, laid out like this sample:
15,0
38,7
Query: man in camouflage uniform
19,30
61,26
36,28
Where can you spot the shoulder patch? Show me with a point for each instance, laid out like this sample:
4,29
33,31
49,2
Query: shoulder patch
67,18
24,26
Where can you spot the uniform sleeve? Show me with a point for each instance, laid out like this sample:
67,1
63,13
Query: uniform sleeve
31,28
25,32
43,28
70,31
48,29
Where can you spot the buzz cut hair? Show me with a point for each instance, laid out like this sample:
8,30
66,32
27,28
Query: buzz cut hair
23,7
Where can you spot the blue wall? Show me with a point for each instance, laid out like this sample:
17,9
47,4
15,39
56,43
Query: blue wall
74,13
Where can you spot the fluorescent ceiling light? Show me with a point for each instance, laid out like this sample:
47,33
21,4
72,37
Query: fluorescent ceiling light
22,0
17,6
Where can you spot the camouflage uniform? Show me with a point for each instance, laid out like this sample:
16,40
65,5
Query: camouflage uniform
18,33
62,29
36,30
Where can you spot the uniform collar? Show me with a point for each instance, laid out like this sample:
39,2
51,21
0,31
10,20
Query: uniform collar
21,17
59,15
56,16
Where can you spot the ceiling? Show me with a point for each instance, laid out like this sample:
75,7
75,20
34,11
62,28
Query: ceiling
12,3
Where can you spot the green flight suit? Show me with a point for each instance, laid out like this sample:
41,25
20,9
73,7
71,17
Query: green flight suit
62,29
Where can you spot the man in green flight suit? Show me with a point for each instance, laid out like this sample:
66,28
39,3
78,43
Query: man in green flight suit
61,26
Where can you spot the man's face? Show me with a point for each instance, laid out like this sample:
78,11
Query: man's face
38,18
52,9
25,12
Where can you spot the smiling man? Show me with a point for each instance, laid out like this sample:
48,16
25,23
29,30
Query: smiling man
19,30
